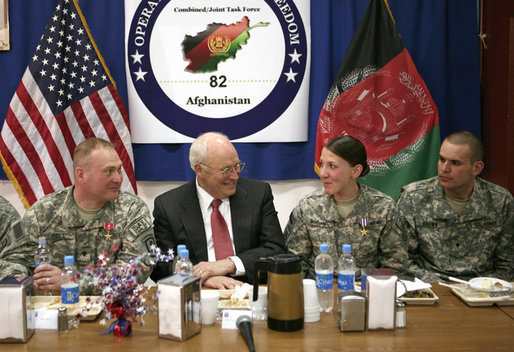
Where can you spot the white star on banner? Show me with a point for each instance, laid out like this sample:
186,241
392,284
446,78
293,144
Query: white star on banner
295,57
291,75
140,75
137,57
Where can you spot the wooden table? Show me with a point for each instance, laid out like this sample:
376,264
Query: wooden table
448,325
509,310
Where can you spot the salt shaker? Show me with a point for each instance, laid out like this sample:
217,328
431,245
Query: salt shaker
62,320
401,315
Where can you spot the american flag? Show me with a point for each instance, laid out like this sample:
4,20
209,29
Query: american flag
65,96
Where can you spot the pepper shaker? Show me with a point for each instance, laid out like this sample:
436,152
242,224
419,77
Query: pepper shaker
401,315
62,320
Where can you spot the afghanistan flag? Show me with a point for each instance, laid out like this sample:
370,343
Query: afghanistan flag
216,44
379,97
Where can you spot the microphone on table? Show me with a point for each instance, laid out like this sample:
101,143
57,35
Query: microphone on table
244,324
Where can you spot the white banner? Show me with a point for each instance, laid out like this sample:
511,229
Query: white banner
238,67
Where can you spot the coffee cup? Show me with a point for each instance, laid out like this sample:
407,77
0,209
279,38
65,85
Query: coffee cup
209,300
310,294
259,306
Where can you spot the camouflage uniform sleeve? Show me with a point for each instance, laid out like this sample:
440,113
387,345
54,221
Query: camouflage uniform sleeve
298,241
8,216
393,248
405,226
17,258
504,256
139,237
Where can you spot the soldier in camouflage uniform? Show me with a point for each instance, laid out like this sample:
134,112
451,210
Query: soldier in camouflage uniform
344,212
8,215
77,220
457,224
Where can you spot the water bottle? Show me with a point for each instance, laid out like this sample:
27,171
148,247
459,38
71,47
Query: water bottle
177,257
69,282
346,271
184,265
42,254
324,267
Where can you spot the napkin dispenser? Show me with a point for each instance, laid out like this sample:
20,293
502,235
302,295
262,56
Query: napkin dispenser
352,315
18,321
381,294
180,314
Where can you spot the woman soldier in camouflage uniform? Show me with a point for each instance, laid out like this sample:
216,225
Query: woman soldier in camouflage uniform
345,211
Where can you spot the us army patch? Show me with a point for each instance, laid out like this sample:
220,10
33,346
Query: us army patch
139,226
17,230
149,242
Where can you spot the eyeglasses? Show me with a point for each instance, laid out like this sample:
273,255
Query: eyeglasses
226,172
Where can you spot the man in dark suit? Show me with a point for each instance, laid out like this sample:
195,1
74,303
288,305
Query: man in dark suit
185,215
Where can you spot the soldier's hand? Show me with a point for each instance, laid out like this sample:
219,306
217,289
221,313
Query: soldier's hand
47,277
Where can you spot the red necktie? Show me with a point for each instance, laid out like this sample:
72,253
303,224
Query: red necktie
220,236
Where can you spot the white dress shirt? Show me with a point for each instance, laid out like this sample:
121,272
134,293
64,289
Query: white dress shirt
224,208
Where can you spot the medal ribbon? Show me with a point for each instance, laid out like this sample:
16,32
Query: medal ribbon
364,222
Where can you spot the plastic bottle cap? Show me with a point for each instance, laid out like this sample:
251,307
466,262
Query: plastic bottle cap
69,260
41,240
180,247
184,253
347,248
323,247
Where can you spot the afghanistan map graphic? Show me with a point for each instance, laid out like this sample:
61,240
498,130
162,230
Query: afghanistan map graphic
216,44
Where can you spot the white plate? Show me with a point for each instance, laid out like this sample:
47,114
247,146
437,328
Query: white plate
476,298
403,286
489,284
425,301
226,303
225,294
233,304
54,302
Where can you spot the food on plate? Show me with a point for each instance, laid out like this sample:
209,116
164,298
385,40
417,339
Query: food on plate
418,294
88,306
85,304
492,284
233,303
56,303
226,302
225,294
486,283
423,296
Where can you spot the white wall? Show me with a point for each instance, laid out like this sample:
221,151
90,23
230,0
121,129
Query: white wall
286,193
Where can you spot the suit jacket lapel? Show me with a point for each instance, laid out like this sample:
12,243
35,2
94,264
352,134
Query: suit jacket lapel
193,223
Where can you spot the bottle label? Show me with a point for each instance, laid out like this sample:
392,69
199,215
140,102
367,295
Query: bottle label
38,264
70,293
324,281
345,282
